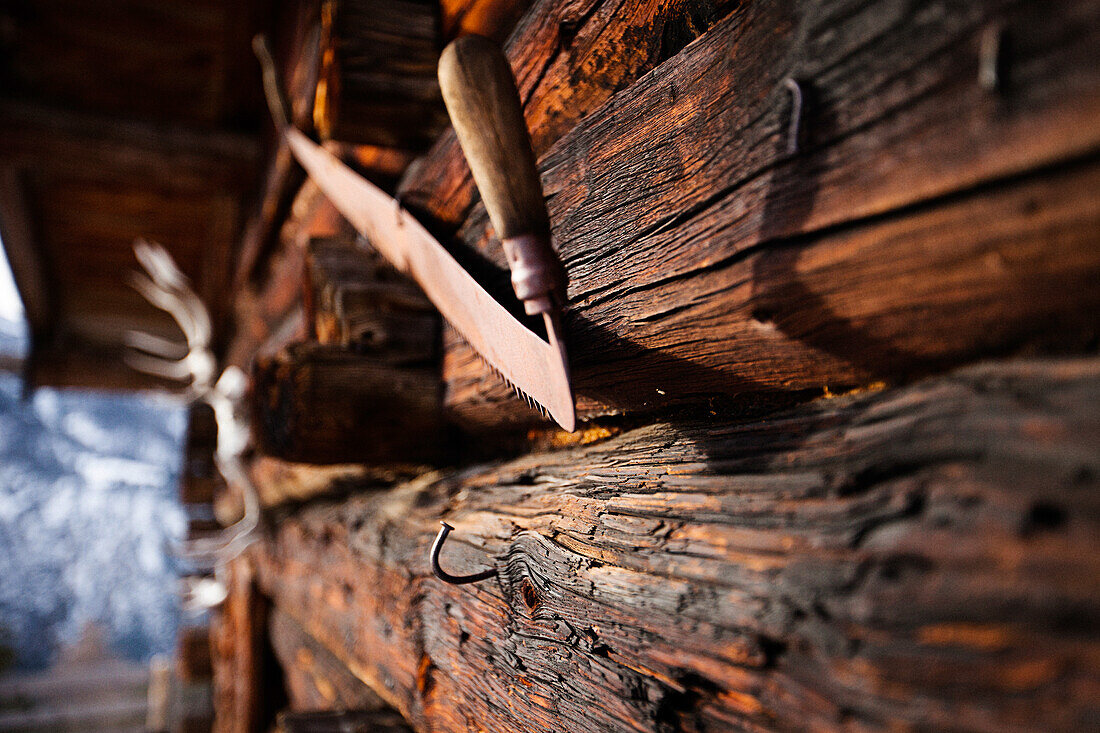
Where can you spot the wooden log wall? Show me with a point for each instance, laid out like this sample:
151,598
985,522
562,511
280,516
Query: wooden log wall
920,558
377,81
314,678
327,405
706,260
342,721
237,643
725,544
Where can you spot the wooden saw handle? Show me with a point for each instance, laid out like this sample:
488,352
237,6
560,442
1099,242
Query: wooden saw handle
482,100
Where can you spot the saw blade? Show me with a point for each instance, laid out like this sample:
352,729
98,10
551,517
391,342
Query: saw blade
535,368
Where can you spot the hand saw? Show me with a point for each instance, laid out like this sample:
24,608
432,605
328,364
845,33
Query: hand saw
481,96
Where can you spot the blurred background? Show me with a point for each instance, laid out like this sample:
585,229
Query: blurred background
88,509
117,120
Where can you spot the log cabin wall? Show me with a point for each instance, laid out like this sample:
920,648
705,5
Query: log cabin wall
832,313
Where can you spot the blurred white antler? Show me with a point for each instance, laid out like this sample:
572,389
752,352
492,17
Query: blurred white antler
167,288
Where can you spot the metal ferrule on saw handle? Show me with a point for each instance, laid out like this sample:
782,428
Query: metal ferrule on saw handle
534,278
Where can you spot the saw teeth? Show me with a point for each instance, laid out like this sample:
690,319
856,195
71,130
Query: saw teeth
531,402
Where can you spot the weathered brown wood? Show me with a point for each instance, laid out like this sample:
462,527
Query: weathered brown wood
568,59
90,184
299,52
377,82
279,287
302,52
1007,269
278,482
199,477
281,180
315,679
356,721
322,404
270,312
493,19
176,158
914,558
907,235
192,658
360,302
144,59
237,643
74,362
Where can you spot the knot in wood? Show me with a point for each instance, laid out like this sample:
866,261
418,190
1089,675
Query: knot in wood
530,595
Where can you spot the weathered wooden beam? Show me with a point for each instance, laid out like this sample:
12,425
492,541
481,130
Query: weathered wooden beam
237,645
1007,269
323,404
278,284
912,558
270,312
281,180
569,59
193,661
199,477
314,678
377,82
278,481
173,158
73,363
142,59
89,184
299,52
360,302
490,18
926,221
359,721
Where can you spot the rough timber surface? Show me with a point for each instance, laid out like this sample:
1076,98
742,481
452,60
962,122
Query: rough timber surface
237,648
313,677
916,558
705,259
323,404
377,83
569,58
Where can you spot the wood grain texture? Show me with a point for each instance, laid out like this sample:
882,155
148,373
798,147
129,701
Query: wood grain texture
314,678
568,58
348,721
323,404
193,663
298,48
278,482
378,82
281,180
199,477
145,59
918,558
490,18
360,302
88,185
926,222
237,644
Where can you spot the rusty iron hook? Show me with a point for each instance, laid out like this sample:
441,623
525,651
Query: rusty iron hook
442,574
